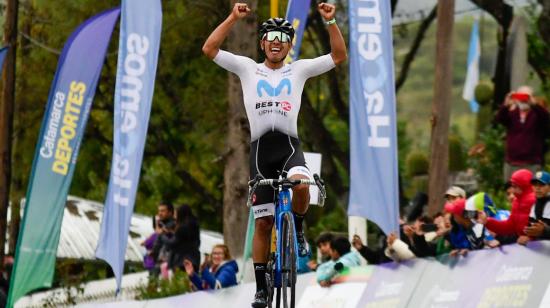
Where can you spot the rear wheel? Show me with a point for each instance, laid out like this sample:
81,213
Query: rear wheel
288,260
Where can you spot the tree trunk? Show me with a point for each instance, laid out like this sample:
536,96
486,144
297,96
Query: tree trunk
439,149
6,117
242,41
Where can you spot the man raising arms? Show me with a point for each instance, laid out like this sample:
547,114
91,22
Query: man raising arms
272,93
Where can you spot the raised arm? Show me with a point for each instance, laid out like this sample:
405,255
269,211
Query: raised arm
337,44
213,43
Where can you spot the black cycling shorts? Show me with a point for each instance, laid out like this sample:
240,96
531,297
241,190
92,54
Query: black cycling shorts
272,153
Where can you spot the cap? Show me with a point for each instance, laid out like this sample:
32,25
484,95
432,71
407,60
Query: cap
481,202
456,191
541,177
456,207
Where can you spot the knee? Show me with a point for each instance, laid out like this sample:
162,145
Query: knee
264,224
301,190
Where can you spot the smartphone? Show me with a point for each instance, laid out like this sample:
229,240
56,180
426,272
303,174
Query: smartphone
428,227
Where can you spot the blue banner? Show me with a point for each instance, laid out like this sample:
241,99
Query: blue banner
140,30
296,13
472,73
69,103
3,53
373,140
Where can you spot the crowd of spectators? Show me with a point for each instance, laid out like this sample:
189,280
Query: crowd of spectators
174,246
467,223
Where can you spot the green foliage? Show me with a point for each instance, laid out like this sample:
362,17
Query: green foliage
157,288
538,50
457,154
334,221
484,93
417,164
403,145
487,158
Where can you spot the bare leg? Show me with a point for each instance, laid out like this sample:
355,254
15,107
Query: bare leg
261,240
300,196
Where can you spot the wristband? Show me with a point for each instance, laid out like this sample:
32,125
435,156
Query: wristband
330,22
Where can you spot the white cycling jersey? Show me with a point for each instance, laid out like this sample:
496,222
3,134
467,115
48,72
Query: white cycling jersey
272,97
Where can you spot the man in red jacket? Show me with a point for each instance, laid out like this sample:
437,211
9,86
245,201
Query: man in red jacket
520,182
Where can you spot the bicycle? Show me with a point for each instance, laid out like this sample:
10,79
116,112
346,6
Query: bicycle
283,262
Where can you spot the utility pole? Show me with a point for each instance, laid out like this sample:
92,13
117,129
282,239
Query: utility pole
6,117
441,107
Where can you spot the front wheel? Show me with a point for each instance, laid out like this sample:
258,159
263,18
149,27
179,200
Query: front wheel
288,261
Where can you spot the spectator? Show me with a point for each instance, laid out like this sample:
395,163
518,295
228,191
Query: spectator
539,218
371,255
341,257
217,271
397,249
521,207
465,234
149,262
453,193
415,237
526,124
416,206
482,202
185,241
323,244
441,241
165,225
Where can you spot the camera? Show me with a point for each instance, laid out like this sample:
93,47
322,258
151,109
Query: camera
428,227
471,214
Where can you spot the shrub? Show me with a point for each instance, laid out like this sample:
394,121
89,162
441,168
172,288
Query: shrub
158,288
417,164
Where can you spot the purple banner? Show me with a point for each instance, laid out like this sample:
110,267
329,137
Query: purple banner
509,276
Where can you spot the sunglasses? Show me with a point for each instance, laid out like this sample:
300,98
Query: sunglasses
282,37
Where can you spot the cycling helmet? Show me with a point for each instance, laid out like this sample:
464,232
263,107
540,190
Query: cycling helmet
277,24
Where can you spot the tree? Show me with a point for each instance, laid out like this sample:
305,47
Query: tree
439,148
235,192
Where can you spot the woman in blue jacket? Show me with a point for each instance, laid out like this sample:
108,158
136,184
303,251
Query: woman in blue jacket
217,271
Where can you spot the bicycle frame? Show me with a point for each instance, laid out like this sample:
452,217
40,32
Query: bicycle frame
279,271
284,206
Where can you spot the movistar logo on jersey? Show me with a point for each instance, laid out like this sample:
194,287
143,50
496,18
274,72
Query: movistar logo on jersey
264,87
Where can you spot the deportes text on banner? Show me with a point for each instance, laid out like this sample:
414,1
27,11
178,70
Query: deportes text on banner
140,30
374,182
63,126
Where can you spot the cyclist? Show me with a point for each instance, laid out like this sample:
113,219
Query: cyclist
272,93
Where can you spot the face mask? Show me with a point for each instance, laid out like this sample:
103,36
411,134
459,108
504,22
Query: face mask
523,106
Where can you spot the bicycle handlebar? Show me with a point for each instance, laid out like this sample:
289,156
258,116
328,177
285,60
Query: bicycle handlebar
286,183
